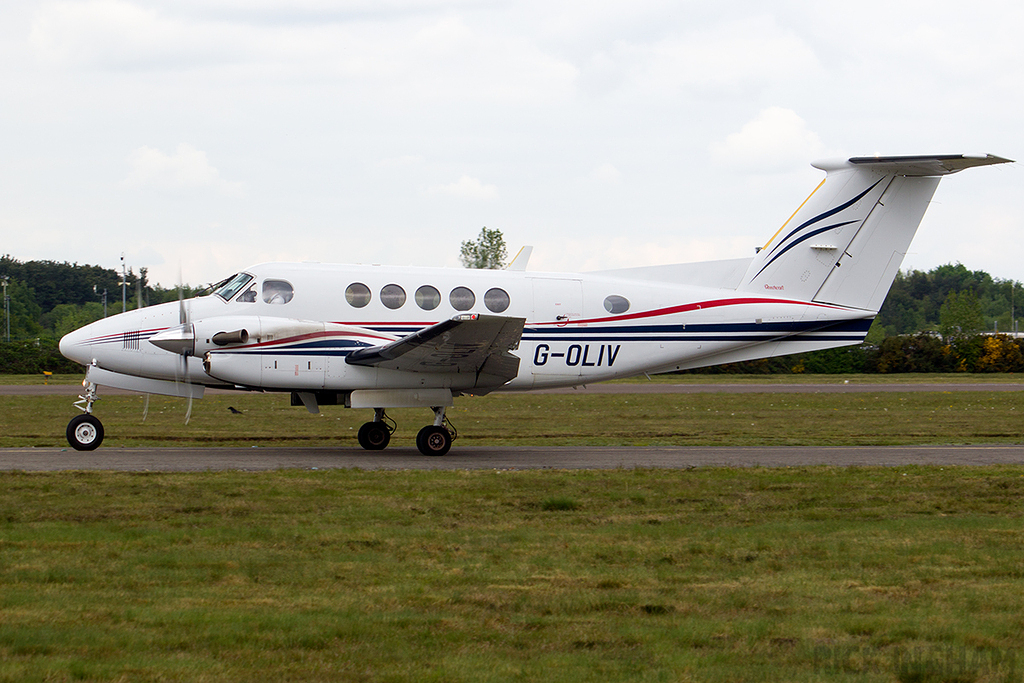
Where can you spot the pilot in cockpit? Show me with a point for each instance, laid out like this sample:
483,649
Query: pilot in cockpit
248,296
277,291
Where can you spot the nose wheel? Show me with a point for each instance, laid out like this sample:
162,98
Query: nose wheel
85,432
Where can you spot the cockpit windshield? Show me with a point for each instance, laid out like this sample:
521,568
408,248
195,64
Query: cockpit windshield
232,285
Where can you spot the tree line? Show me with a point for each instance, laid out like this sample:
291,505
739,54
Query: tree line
49,299
946,298
923,352
931,321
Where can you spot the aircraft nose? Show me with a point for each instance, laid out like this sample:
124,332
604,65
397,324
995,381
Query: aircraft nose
75,345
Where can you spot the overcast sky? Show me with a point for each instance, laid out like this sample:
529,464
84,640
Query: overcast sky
208,135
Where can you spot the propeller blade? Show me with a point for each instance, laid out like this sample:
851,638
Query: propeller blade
180,340
182,315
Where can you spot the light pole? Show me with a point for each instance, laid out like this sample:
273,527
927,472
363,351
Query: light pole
124,284
96,291
7,312
1013,312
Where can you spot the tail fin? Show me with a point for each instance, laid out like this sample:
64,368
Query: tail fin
846,242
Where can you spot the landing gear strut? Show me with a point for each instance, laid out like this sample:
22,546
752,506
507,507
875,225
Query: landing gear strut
85,432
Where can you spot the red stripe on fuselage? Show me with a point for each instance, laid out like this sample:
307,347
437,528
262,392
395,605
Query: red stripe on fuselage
684,308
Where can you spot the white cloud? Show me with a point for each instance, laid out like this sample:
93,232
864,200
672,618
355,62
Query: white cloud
119,34
753,52
411,54
578,255
776,140
333,110
606,173
466,188
185,168
404,161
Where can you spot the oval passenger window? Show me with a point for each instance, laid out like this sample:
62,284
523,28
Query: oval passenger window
357,295
462,298
616,304
428,298
496,300
392,296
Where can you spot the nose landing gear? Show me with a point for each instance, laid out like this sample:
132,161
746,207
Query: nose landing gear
85,432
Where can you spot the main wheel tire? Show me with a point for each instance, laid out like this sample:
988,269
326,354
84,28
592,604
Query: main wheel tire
85,432
433,440
374,436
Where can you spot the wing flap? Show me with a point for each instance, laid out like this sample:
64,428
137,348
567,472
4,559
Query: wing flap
472,343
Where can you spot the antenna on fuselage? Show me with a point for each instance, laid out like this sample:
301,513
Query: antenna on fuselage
521,259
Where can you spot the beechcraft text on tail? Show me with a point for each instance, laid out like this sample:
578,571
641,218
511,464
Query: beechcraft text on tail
379,337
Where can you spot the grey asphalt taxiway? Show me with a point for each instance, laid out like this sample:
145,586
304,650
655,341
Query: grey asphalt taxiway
497,458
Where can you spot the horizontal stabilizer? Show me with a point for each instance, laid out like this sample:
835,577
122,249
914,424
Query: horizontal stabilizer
927,165
470,343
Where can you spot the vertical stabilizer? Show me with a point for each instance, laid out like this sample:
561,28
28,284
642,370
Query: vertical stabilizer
846,242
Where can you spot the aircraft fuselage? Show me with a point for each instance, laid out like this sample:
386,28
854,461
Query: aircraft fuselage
579,328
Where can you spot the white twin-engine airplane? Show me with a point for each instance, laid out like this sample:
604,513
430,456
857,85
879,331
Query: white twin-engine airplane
382,337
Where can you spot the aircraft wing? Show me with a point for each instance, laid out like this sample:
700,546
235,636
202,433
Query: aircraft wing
471,343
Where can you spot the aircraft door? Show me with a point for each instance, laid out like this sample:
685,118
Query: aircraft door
557,300
553,356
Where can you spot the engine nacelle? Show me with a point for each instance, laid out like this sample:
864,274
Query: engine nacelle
276,353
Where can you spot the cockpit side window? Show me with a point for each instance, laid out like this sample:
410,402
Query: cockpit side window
277,291
248,296
232,285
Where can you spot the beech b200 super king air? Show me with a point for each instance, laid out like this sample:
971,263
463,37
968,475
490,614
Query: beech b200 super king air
380,337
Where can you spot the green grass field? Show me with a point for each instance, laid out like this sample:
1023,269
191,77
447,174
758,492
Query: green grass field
712,574
809,574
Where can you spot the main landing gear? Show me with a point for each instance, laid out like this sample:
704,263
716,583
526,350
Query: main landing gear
434,439
85,431
375,436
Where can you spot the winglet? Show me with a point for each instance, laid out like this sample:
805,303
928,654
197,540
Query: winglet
521,259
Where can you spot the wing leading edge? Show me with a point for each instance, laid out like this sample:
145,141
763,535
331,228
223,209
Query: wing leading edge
471,343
